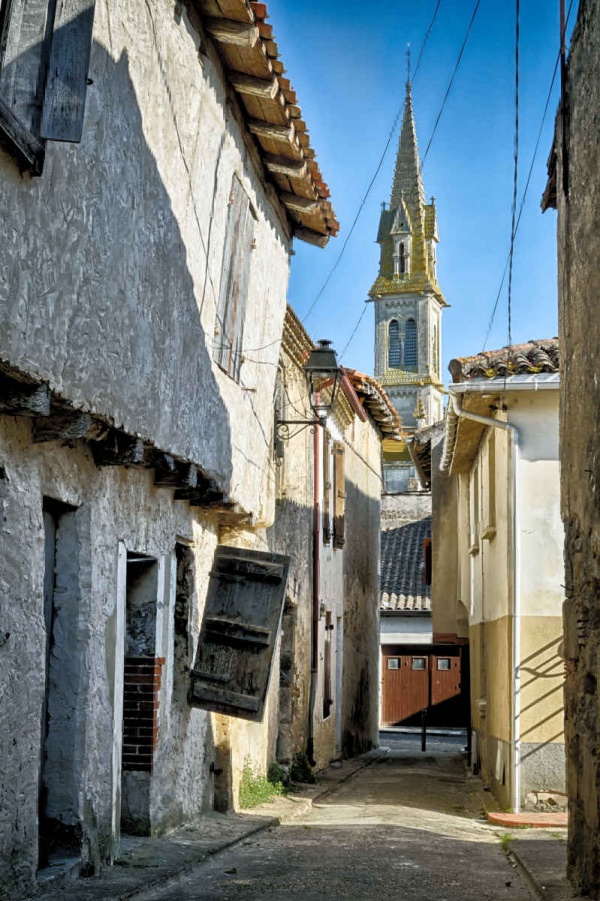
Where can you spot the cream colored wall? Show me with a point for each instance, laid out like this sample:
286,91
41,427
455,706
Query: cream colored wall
491,577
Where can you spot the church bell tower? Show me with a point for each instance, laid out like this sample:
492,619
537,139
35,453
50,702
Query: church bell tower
408,300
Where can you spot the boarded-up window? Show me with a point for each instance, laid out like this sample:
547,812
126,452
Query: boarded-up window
44,58
410,346
239,631
231,308
326,488
394,348
339,494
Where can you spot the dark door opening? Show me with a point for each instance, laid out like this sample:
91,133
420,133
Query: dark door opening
60,757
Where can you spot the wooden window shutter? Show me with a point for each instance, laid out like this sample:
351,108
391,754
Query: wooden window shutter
23,65
326,487
66,86
339,493
241,622
235,271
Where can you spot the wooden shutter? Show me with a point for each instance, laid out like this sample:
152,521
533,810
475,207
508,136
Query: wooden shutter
66,87
239,631
25,27
234,281
339,494
326,487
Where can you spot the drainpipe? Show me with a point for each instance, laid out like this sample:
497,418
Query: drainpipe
516,648
314,645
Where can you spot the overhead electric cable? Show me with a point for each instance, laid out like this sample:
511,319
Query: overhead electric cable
460,55
372,182
525,190
439,116
515,174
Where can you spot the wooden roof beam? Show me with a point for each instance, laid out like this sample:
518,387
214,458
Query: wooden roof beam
226,31
264,88
281,165
299,204
273,132
311,237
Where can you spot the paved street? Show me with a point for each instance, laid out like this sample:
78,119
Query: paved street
407,826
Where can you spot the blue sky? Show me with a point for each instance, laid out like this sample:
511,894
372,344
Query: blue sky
347,63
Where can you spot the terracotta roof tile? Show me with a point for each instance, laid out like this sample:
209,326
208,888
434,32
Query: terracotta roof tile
518,359
402,583
250,56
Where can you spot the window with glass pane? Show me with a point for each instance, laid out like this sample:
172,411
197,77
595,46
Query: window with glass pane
443,663
410,345
418,663
393,663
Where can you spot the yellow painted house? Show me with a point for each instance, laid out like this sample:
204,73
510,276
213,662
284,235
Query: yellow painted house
498,570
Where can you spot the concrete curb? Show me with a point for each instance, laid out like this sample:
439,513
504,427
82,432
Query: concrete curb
530,820
528,877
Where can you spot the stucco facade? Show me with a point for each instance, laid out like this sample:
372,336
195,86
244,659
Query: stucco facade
574,189
328,482
130,444
499,512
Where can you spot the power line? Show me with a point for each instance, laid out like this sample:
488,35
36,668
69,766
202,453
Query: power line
349,341
515,174
460,55
527,183
439,116
372,182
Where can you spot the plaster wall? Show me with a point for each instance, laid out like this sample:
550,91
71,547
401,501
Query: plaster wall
405,629
578,193
361,588
113,509
112,260
448,612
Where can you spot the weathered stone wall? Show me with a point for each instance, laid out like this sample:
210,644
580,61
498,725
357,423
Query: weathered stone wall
113,511
579,324
111,261
361,589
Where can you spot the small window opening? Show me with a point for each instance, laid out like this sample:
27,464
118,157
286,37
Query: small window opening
418,663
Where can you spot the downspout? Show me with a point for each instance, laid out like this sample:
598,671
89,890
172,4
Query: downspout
516,642
314,644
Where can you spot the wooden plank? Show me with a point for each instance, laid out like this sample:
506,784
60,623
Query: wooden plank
21,399
280,133
66,87
311,237
281,165
118,449
298,204
61,425
20,142
258,87
227,31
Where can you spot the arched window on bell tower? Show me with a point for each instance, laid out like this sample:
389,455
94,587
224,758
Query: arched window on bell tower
410,346
394,355
402,258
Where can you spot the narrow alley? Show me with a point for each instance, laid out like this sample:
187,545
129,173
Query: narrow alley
401,824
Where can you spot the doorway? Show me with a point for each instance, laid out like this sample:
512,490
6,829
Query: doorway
61,751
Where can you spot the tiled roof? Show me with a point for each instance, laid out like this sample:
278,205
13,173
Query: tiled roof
246,45
519,359
376,403
402,586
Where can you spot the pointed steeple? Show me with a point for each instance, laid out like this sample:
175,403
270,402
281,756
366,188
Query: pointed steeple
408,180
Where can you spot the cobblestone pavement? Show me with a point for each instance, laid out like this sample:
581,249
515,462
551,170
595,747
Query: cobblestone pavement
407,826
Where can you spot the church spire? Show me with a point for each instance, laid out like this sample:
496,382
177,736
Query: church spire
408,180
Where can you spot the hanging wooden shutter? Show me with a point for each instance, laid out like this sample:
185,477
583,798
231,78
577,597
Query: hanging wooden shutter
339,494
66,87
23,61
239,631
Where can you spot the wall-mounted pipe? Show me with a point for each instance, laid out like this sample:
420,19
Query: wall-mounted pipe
516,642
314,645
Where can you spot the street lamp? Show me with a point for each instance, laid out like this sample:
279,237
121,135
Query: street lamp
324,376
